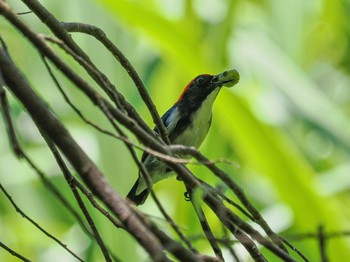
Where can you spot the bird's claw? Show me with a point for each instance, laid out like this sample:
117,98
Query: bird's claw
178,178
187,196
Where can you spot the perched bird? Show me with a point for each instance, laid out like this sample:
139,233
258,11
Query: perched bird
187,122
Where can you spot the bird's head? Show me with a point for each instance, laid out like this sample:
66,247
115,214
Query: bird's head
202,86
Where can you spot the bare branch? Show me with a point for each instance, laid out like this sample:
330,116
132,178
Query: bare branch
50,126
20,153
205,226
101,36
235,188
121,113
59,31
69,178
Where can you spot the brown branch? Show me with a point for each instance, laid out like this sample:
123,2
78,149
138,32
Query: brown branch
72,179
128,143
92,176
144,172
288,244
17,149
101,36
173,246
51,127
14,145
226,243
205,225
59,31
235,188
69,178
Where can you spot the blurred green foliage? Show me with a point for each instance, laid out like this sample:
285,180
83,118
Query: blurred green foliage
286,123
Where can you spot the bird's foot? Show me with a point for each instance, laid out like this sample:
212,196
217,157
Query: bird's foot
187,196
178,178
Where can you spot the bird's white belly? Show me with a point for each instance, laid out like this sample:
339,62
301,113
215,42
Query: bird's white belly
196,132
193,135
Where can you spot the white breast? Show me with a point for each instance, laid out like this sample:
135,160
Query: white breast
193,135
199,127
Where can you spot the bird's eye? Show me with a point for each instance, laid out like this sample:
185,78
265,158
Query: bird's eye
200,80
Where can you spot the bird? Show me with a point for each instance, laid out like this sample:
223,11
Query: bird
187,122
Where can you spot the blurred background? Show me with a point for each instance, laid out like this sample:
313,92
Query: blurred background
286,124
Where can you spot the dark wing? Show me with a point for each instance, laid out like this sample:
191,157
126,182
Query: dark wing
166,121
140,198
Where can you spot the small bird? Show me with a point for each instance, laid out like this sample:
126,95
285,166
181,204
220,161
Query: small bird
188,122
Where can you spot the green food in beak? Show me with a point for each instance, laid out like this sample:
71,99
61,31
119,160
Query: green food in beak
229,78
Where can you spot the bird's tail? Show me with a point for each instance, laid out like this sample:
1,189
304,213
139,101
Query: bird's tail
140,198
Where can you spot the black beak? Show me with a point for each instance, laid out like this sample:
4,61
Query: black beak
228,78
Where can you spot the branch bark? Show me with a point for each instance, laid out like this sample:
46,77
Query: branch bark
88,171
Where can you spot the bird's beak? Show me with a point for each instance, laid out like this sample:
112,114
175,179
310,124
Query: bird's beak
228,78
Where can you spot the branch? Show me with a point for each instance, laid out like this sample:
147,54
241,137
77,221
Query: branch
51,127
235,188
147,234
69,178
130,146
205,225
36,224
101,36
59,31
17,149
13,253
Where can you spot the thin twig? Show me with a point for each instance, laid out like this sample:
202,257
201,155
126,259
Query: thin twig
14,145
14,253
17,149
24,215
123,137
144,172
235,188
227,199
25,13
101,36
229,246
288,244
169,244
322,244
95,204
314,235
77,157
101,79
89,172
68,176
205,225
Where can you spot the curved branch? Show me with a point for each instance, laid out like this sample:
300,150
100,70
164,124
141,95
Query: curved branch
101,36
58,29
92,176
